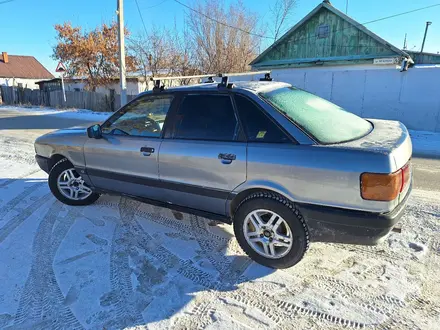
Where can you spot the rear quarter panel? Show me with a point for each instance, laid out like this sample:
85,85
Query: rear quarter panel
315,174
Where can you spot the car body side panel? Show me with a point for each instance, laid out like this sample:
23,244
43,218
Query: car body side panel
116,163
67,142
196,166
315,174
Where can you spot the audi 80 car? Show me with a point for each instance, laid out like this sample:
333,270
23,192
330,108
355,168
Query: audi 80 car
283,166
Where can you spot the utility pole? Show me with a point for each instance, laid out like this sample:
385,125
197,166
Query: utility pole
424,38
405,45
346,8
121,36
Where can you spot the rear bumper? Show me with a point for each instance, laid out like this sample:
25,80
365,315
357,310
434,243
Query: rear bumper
328,224
43,162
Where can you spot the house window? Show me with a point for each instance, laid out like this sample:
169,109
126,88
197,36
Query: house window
323,31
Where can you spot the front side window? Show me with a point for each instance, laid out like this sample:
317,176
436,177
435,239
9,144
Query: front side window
144,117
325,121
206,117
258,126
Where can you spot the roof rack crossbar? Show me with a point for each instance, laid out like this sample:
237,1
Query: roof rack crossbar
185,77
248,73
223,84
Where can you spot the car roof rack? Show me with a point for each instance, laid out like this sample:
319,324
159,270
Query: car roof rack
223,84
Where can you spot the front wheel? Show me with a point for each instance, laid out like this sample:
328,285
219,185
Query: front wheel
68,186
271,230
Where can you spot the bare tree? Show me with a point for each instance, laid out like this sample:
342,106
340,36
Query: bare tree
164,52
281,11
225,39
215,39
182,54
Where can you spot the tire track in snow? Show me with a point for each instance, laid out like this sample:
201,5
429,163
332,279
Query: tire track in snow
16,221
129,235
177,225
200,315
229,268
41,298
122,293
19,198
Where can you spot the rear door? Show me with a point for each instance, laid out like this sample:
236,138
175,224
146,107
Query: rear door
125,160
204,158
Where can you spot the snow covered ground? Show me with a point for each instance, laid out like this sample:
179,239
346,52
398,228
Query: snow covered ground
121,263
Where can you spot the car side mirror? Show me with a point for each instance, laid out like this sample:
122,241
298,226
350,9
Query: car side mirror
94,131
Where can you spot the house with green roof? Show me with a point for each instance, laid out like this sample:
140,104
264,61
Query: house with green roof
328,37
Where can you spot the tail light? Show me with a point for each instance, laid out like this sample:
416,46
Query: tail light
406,175
385,187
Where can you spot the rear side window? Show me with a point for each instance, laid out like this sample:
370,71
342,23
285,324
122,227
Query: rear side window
206,117
325,121
258,126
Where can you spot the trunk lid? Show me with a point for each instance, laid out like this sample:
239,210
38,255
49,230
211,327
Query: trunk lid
387,137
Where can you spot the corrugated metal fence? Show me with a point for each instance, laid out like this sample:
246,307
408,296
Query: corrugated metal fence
54,99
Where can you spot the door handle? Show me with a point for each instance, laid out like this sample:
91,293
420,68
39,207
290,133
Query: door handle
227,158
147,151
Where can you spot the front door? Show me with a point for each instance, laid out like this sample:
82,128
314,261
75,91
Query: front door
204,159
125,159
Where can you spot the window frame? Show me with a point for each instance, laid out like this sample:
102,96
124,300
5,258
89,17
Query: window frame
327,32
268,117
165,126
239,134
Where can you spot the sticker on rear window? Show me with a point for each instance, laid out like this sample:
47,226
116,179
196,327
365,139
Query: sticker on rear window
261,134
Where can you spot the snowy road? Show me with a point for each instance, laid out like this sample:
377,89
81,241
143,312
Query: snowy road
120,263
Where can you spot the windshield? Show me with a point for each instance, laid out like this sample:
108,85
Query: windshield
325,121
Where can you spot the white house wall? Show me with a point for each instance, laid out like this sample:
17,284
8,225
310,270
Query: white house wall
412,97
26,83
132,87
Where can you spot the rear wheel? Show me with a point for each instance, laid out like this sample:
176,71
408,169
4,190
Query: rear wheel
271,230
68,186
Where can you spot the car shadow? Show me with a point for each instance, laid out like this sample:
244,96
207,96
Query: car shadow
114,264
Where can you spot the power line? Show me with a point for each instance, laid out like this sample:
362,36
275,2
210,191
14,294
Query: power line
142,19
267,37
157,4
404,13
6,1
223,23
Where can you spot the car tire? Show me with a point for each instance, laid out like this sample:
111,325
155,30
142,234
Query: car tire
265,204
59,169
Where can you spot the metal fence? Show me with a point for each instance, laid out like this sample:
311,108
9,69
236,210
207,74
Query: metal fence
54,99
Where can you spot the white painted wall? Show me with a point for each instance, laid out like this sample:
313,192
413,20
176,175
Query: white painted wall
412,97
133,87
27,83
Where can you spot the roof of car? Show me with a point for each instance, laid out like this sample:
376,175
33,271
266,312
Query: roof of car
253,86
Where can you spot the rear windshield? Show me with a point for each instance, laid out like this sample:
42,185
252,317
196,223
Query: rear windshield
325,121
